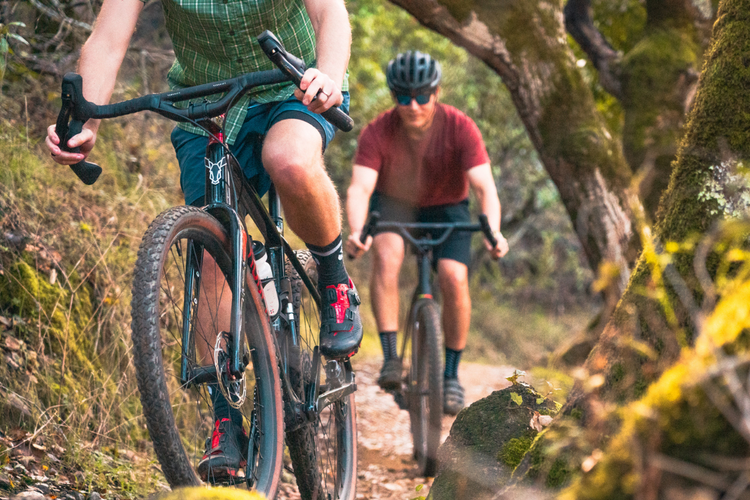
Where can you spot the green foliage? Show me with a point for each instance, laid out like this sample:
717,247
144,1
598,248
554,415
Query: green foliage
5,49
513,379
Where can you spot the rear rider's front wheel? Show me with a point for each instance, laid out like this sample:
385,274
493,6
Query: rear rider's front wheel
170,292
425,387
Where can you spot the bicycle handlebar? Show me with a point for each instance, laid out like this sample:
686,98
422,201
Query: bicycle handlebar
373,222
294,67
76,110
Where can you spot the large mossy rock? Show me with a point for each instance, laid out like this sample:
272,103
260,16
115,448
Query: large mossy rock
487,442
203,493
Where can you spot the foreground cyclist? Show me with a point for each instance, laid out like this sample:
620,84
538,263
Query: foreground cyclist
276,134
416,162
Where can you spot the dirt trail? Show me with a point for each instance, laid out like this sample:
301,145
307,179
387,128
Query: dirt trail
386,468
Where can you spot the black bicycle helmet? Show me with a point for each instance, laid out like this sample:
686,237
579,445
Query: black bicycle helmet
413,71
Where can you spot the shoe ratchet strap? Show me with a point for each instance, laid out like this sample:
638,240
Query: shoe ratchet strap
338,315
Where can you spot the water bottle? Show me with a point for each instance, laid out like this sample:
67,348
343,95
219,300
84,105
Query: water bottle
265,273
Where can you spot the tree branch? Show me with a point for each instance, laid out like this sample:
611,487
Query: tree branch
60,16
472,35
580,25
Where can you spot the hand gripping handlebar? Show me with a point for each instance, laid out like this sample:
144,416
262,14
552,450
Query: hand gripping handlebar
78,110
295,69
374,219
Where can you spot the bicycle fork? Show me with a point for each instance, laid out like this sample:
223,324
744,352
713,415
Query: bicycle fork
220,197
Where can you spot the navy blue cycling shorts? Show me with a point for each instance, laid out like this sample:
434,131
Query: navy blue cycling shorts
191,148
458,245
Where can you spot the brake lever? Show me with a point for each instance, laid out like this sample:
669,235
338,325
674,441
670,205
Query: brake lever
487,230
76,107
294,68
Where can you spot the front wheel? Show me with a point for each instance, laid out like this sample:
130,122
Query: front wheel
324,450
178,308
425,385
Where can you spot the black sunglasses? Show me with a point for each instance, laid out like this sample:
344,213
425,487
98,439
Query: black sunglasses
405,99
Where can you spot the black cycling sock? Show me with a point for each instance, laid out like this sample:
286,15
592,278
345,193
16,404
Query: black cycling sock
330,261
222,408
452,358
388,341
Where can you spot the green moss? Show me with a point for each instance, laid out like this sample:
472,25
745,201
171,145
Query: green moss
488,441
576,413
640,387
616,374
459,9
514,450
558,474
65,314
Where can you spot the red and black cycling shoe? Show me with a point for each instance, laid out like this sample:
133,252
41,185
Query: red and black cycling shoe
226,452
340,325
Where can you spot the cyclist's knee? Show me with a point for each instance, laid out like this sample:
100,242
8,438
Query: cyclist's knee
388,252
453,275
291,151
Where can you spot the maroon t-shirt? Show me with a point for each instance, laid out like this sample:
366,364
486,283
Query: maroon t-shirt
426,172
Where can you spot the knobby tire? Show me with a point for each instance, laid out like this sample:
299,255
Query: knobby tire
156,316
426,385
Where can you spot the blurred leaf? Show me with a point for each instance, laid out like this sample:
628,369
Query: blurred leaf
516,398
18,38
516,374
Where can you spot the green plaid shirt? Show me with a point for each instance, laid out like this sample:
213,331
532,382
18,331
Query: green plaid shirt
216,40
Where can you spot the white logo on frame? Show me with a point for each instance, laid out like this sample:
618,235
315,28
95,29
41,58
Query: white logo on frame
214,169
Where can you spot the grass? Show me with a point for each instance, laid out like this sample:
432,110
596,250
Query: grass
67,256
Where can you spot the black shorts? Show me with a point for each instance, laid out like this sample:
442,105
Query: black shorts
458,245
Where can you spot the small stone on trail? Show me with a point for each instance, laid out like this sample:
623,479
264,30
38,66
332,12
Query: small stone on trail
94,496
43,488
29,495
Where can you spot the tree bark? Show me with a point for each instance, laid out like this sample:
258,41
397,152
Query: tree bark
654,82
658,316
525,43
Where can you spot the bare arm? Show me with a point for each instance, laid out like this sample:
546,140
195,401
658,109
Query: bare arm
358,196
483,185
101,57
333,40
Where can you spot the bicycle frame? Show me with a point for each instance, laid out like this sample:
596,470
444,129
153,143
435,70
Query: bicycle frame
223,174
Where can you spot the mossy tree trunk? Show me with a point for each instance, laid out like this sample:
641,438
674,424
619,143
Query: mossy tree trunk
659,313
707,185
654,82
526,44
